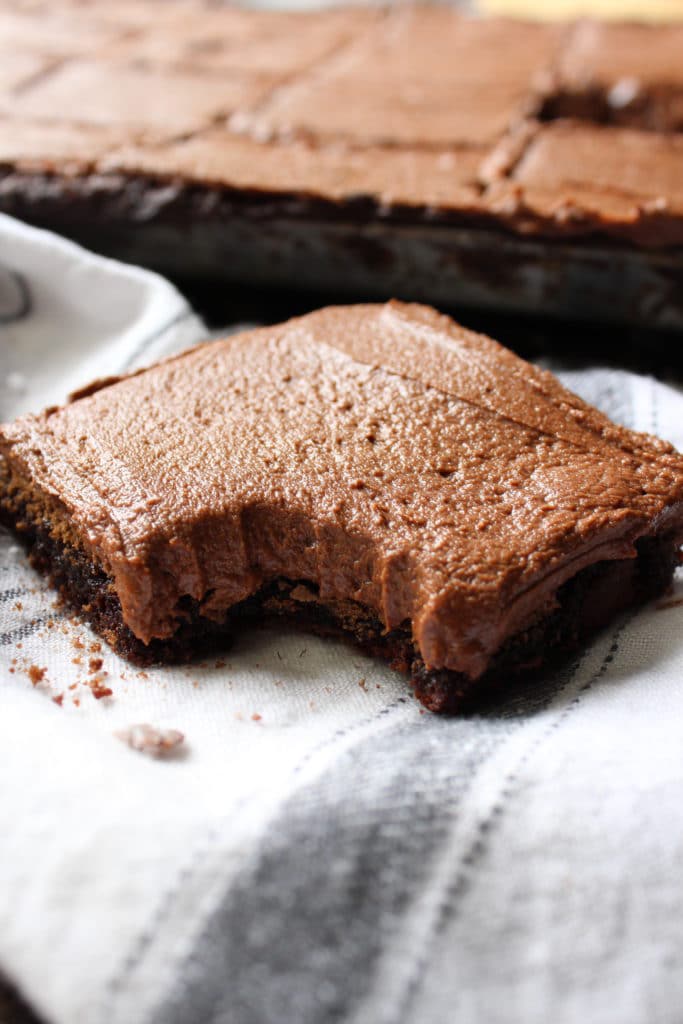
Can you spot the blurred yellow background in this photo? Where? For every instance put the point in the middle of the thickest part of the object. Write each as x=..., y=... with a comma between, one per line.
x=643, y=10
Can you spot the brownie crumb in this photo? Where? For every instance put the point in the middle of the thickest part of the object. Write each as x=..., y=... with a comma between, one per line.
x=149, y=740
x=98, y=688
x=94, y=665
x=99, y=692
x=59, y=699
x=36, y=674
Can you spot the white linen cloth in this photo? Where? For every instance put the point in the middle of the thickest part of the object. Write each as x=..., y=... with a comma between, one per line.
x=319, y=849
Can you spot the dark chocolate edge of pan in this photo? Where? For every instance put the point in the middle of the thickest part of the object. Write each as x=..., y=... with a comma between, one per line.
x=344, y=250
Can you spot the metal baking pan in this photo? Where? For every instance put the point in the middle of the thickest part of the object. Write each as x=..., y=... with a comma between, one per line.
x=364, y=257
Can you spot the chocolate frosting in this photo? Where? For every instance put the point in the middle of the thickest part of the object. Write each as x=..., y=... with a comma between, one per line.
x=606, y=55
x=576, y=178
x=422, y=112
x=422, y=76
x=159, y=99
x=383, y=454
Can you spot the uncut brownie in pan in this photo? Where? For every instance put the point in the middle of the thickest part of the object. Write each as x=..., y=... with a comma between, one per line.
x=367, y=153
x=373, y=471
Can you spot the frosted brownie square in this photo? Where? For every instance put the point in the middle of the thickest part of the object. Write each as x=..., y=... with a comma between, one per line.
x=374, y=471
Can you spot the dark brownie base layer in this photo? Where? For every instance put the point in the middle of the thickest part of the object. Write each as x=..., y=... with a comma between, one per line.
x=118, y=204
x=585, y=604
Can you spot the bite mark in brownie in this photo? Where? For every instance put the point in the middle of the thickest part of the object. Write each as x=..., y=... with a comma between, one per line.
x=585, y=603
x=375, y=472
